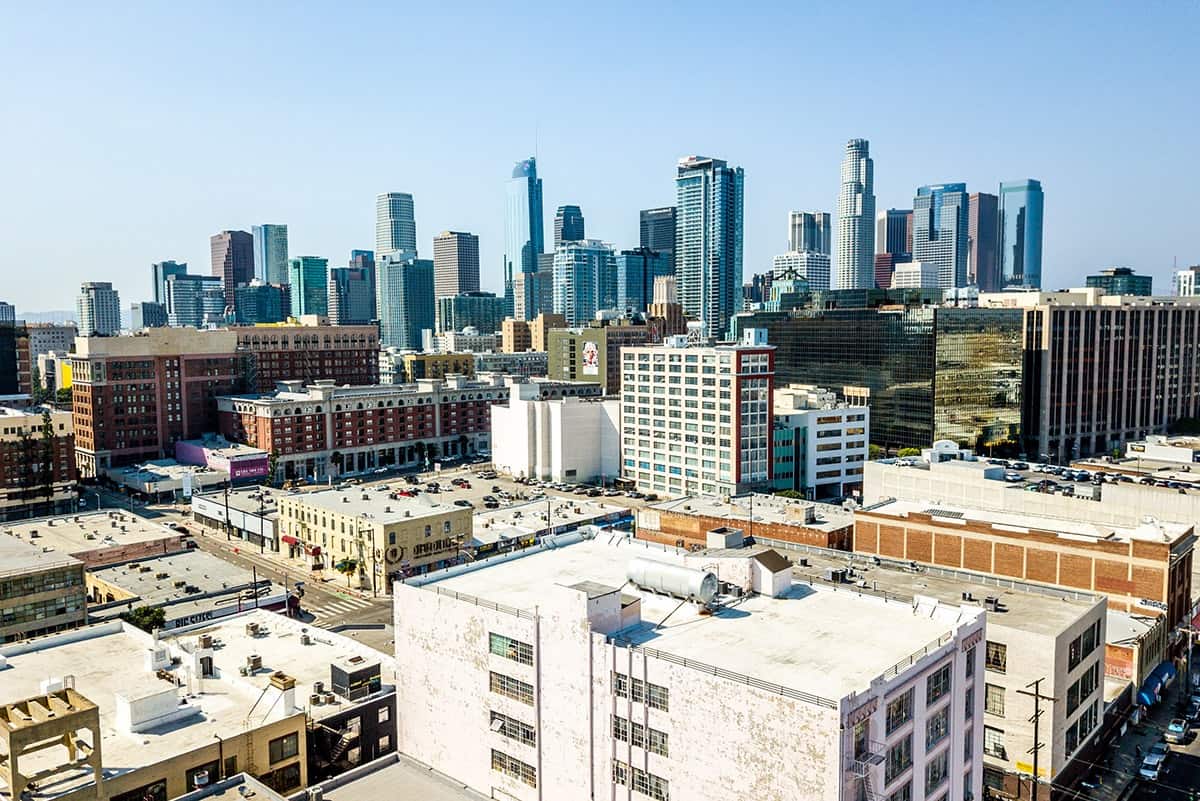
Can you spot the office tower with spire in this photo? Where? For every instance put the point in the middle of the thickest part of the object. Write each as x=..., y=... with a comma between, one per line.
x=940, y=232
x=657, y=227
x=856, y=218
x=270, y=253
x=568, y=225
x=983, y=253
x=524, y=237
x=395, y=224
x=809, y=231
x=232, y=260
x=99, y=309
x=1021, y=234
x=708, y=240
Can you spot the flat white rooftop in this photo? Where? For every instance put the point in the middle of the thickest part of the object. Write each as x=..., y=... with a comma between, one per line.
x=70, y=534
x=17, y=557
x=154, y=580
x=816, y=640
x=378, y=506
x=766, y=509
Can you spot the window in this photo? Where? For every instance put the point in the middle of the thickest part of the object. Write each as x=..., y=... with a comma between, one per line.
x=231, y=766
x=993, y=742
x=283, y=780
x=513, y=729
x=862, y=738
x=937, y=727
x=511, y=688
x=901, y=793
x=997, y=657
x=1083, y=645
x=511, y=649
x=640, y=736
x=936, y=771
x=155, y=791
x=899, y=710
x=282, y=748
x=937, y=685
x=993, y=778
x=1083, y=687
x=645, y=783
x=969, y=659
x=969, y=744
x=969, y=703
x=385, y=743
x=993, y=699
x=899, y=758
x=385, y=713
x=511, y=766
x=641, y=692
x=209, y=771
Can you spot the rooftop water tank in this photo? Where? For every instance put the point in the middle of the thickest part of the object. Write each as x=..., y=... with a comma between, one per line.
x=674, y=580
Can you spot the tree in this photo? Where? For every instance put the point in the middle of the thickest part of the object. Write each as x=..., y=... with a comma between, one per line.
x=790, y=494
x=346, y=567
x=146, y=618
x=62, y=397
x=874, y=452
x=909, y=452
x=46, y=466
x=272, y=468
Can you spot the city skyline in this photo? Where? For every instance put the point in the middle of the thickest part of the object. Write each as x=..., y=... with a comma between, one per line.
x=323, y=186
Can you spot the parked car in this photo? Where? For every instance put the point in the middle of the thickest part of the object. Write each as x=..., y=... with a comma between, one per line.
x=612, y=493
x=650, y=496
x=463, y=502
x=491, y=505
x=1177, y=731
x=635, y=494
x=489, y=499
x=1012, y=477
x=595, y=492
x=1154, y=761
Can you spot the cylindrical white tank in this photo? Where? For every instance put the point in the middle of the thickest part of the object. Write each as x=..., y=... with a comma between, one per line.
x=674, y=580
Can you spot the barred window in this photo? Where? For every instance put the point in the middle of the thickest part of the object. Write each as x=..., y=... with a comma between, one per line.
x=937, y=770
x=512, y=649
x=640, y=736
x=511, y=766
x=513, y=729
x=937, y=727
x=937, y=685
x=996, y=657
x=993, y=699
x=645, y=783
x=511, y=688
x=899, y=710
x=639, y=691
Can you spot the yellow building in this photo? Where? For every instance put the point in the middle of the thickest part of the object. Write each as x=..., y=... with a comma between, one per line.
x=418, y=366
x=376, y=537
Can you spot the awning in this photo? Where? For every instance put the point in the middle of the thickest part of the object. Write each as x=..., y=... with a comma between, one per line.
x=1152, y=686
x=290, y=540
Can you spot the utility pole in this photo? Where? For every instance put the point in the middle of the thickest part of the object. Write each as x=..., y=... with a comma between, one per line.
x=228, y=523
x=1035, y=719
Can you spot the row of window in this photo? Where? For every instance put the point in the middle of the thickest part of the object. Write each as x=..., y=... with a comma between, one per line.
x=511, y=688
x=638, y=691
x=509, y=648
x=640, y=736
x=645, y=783
x=1083, y=645
x=511, y=766
x=513, y=729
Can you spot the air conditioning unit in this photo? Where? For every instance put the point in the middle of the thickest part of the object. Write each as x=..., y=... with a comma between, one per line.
x=254, y=662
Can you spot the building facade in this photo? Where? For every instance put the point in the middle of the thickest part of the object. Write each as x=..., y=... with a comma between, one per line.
x=820, y=443
x=893, y=232
x=592, y=353
x=708, y=240
x=232, y=260
x=813, y=267
x=146, y=314
x=657, y=231
x=983, y=249
x=856, y=218
x=1020, y=219
x=637, y=270
x=351, y=296
x=404, y=300
x=395, y=224
x=308, y=281
x=482, y=311
x=810, y=231
x=99, y=309
x=37, y=462
x=455, y=264
x=568, y=225
x=524, y=237
x=270, y=253
x=195, y=301
x=160, y=271
x=585, y=280
x=536, y=438
x=261, y=303
x=1121, y=281
x=305, y=350
x=940, y=232
x=526, y=364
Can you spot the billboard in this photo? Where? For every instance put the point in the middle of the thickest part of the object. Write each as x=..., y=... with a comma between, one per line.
x=591, y=359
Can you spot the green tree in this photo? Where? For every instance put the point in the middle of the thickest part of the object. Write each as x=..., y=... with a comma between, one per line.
x=146, y=618
x=346, y=567
x=909, y=452
x=874, y=452
x=46, y=465
x=62, y=397
x=790, y=494
x=272, y=468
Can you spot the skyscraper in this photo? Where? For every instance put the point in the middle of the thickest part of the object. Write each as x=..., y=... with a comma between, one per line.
x=160, y=272
x=940, y=232
x=568, y=225
x=309, y=280
x=893, y=232
x=708, y=240
x=194, y=301
x=982, y=253
x=395, y=225
x=856, y=218
x=99, y=309
x=271, y=253
x=232, y=260
x=636, y=272
x=1021, y=234
x=455, y=263
x=523, y=230
x=351, y=296
x=658, y=232
x=585, y=280
x=810, y=265
x=147, y=314
x=261, y=303
x=1121, y=281
x=404, y=299
x=809, y=231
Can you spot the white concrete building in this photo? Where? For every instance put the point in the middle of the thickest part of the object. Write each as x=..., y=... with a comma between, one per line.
x=820, y=442
x=469, y=340
x=914, y=275
x=552, y=675
x=1156, y=447
x=560, y=439
x=811, y=266
x=696, y=420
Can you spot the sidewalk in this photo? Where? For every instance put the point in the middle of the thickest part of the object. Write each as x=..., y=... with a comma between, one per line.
x=1119, y=767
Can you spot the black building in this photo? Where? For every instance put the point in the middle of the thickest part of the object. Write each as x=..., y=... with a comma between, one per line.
x=658, y=231
x=352, y=719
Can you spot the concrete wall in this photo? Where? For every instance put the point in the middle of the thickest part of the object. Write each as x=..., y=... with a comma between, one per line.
x=557, y=440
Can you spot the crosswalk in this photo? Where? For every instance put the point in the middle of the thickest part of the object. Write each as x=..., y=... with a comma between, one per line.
x=343, y=605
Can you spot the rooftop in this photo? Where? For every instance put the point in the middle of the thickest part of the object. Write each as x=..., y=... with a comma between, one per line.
x=252, y=499
x=399, y=778
x=71, y=534
x=1150, y=531
x=19, y=556
x=517, y=522
x=375, y=505
x=223, y=447
x=155, y=580
x=798, y=641
x=767, y=509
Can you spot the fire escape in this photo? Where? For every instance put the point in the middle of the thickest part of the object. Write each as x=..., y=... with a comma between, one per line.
x=867, y=756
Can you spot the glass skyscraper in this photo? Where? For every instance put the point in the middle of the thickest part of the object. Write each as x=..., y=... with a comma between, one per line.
x=1021, y=234
x=271, y=253
x=636, y=271
x=856, y=218
x=940, y=232
x=404, y=299
x=657, y=231
x=395, y=224
x=585, y=280
x=568, y=225
x=309, y=279
x=708, y=240
x=523, y=232
x=809, y=231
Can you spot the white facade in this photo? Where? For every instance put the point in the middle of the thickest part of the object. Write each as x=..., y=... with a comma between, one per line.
x=856, y=218
x=1185, y=450
x=548, y=676
x=811, y=266
x=99, y=308
x=469, y=340
x=565, y=439
x=915, y=275
x=697, y=420
x=821, y=443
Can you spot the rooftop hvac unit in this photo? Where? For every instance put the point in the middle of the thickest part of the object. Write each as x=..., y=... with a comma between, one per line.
x=254, y=662
x=315, y=699
x=206, y=641
x=252, y=629
x=161, y=576
x=835, y=575
x=673, y=580
x=315, y=794
x=318, y=686
x=305, y=639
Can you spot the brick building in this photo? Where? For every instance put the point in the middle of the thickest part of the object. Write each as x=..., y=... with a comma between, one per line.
x=1146, y=569
x=685, y=522
x=307, y=351
x=37, y=467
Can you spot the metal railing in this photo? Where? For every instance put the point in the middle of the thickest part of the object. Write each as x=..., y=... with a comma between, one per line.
x=480, y=602
x=918, y=655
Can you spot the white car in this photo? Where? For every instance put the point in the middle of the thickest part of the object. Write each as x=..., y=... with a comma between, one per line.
x=1154, y=761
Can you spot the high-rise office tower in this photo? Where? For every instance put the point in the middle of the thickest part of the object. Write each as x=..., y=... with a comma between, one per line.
x=99, y=309
x=1021, y=234
x=658, y=232
x=395, y=225
x=365, y=260
x=637, y=271
x=856, y=218
x=810, y=265
x=308, y=277
x=523, y=231
x=232, y=260
x=160, y=272
x=982, y=251
x=1121, y=281
x=708, y=240
x=940, y=232
x=147, y=314
x=893, y=232
x=261, y=303
x=809, y=231
x=270, y=253
x=195, y=301
x=404, y=299
x=585, y=280
x=568, y=225
x=351, y=300
x=455, y=263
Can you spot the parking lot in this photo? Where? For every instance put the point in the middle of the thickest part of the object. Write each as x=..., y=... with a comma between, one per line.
x=1056, y=478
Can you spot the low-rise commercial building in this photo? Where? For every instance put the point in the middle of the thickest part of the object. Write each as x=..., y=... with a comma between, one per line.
x=685, y=522
x=470, y=340
x=240, y=462
x=166, y=479
x=1157, y=447
x=41, y=591
x=820, y=442
x=101, y=538
x=563, y=662
x=37, y=462
x=375, y=537
x=420, y=366
x=528, y=363
x=518, y=336
x=247, y=513
x=565, y=439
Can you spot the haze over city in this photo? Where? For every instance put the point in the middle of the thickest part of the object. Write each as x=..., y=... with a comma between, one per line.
x=136, y=132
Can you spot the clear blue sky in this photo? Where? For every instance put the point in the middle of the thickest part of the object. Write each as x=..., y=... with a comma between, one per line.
x=132, y=132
